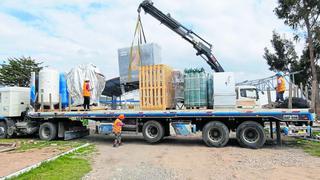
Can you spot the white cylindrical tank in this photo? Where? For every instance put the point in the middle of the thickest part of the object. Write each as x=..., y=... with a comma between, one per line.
x=49, y=84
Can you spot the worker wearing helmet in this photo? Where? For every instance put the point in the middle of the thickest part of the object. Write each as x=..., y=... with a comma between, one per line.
x=281, y=87
x=117, y=129
x=86, y=92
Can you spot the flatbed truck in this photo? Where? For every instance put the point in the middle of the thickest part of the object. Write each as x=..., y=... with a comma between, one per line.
x=215, y=125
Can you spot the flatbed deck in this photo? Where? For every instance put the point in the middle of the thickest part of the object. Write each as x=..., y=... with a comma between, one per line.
x=215, y=124
x=279, y=114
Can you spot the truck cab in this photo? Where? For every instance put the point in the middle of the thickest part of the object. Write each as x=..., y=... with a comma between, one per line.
x=247, y=97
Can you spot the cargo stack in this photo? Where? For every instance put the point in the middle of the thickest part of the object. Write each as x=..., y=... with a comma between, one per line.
x=195, y=88
x=210, y=91
x=130, y=59
x=178, y=86
x=155, y=87
x=224, y=95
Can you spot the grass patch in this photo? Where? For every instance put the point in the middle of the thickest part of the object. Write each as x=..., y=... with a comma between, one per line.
x=71, y=166
x=310, y=147
x=28, y=144
x=316, y=133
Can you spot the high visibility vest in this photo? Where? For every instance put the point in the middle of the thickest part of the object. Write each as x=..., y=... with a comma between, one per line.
x=86, y=90
x=116, y=126
x=281, y=87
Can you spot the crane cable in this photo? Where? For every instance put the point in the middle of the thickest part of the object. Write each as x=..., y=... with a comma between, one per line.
x=139, y=35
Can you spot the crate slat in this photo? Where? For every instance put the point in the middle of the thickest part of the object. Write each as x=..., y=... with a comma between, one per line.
x=156, y=89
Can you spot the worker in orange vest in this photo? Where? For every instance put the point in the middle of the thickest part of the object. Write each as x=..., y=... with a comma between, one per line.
x=117, y=129
x=86, y=92
x=281, y=87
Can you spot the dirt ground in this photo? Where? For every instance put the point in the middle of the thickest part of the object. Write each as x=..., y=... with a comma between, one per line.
x=189, y=158
x=14, y=161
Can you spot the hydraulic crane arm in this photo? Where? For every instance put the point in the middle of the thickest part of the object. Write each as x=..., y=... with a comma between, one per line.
x=202, y=46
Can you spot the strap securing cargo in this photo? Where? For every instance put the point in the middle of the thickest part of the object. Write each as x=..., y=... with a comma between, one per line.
x=140, y=37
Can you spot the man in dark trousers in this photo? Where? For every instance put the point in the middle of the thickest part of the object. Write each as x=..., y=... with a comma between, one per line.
x=281, y=87
x=86, y=92
x=117, y=129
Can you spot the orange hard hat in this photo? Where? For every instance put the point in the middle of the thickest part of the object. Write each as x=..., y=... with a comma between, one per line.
x=121, y=116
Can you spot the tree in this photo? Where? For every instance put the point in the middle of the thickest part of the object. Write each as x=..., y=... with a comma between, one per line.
x=303, y=65
x=284, y=55
x=17, y=71
x=303, y=14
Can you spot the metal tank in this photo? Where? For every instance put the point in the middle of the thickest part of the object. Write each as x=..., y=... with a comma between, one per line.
x=48, y=86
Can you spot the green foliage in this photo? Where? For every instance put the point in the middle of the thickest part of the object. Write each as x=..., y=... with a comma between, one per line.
x=17, y=71
x=315, y=133
x=284, y=55
x=72, y=166
x=304, y=66
x=298, y=13
x=303, y=15
x=85, y=122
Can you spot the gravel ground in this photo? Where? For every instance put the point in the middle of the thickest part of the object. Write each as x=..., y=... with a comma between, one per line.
x=11, y=162
x=189, y=158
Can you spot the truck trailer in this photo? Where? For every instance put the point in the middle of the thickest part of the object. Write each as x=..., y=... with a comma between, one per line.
x=249, y=124
x=214, y=124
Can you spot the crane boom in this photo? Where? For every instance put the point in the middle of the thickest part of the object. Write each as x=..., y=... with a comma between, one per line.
x=202, y=47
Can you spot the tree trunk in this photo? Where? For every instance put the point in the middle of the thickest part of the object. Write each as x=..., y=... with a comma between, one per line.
x=315, y=86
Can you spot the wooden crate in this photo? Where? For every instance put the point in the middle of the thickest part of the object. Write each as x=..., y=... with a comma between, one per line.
x=156, y=88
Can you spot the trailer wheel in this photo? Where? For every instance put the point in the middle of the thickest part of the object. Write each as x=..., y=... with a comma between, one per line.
x=3, y=130
x=215, y=134
x=48, y=131
x=251, y=134
x=153, y=131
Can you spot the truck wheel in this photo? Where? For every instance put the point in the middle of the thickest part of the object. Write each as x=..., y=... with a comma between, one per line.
x=215, y=134
x=48, y=131
x=11, y=128
x=3, y=130
x=153, y=131
x=251, y=134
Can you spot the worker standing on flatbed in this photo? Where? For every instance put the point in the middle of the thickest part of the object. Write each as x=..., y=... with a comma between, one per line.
x=86, y=92
x=281, y=87
x=117, y=128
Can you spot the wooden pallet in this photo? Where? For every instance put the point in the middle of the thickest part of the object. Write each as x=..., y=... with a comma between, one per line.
x=155, y=87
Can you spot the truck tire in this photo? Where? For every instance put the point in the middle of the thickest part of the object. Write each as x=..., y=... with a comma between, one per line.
x=11, y=128
x=251, y=135
x=215, y=134
x=153, y=131
x=48, y=131
x=3, y=130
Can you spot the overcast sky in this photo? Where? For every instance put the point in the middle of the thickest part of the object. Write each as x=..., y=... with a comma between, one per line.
x=65, y=33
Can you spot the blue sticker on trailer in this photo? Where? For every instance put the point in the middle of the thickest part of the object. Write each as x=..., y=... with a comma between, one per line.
x=105, y=128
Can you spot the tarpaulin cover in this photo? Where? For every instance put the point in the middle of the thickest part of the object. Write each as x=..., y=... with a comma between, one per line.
x=76, y=78
x=63, y=90
x=33, y=88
